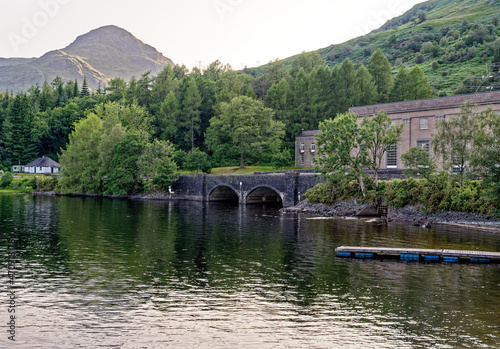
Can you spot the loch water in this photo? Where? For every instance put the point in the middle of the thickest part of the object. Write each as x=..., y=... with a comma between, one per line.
x=104, y=273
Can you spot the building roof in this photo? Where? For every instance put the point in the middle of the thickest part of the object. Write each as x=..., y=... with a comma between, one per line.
x=44, y=162
x=482, y=98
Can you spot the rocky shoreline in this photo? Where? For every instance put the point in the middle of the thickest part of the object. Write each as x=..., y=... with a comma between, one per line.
x=408, y=214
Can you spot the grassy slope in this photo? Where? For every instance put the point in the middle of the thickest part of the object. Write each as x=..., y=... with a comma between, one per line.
x=393, y=37
x=440, y=14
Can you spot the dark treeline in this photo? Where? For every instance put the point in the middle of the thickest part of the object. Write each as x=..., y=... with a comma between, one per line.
x=180, y=105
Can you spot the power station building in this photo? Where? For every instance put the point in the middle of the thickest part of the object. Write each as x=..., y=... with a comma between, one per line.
x=419, y=117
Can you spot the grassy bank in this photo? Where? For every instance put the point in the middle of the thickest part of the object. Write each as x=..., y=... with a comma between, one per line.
x=26, y=183
x=442, y=195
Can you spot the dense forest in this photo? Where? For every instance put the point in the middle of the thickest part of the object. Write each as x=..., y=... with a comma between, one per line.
x=197, y=111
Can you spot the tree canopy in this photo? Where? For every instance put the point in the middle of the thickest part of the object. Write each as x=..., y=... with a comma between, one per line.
x=246, y=125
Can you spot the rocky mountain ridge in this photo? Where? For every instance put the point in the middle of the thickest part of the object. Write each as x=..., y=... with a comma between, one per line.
x=102, y=54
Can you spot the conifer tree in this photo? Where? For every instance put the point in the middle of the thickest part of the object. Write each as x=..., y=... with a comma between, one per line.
x=277, y=98
x=85, y=89
x=17, y=131
x=400, y=88
x=418, y=85
x=75, y=89
x=190, y=113
x=349, y=93
x=161, y=86
x=365, y=86
x=166, y=122
x=250, y=93
x=380, y=68
x=302, y=113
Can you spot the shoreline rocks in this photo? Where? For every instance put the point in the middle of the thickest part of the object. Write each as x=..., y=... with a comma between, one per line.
x=409, y=214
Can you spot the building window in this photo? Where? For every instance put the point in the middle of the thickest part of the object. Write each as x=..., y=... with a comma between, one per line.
x=424, y=123
x=392, y=155
x=424, y=144
x=302, y=159
x=313, y=147
x=302, y=147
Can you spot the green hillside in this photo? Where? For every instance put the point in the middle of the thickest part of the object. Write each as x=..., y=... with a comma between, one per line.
x=451, y=40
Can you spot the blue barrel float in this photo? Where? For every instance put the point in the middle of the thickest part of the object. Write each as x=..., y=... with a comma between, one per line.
x=344, y=254
x=409, y=257
x=364, y=255
x=480, y=260
x=431, y=258
x=450, y=259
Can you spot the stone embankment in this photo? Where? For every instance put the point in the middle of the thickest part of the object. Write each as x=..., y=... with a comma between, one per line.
x=408, y=214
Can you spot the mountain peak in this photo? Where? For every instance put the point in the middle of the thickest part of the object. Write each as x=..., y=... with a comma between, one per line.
x=109, y=35
x=99, y=55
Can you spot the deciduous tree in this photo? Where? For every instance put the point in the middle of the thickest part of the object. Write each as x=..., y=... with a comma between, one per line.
x=247, y=125
x=454, y=138
x=341, y=141
x=377, y=134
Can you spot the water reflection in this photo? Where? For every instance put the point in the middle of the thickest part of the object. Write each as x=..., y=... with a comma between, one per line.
x=157, y=274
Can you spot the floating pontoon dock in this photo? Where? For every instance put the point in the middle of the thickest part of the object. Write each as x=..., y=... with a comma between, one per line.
x=417, y=254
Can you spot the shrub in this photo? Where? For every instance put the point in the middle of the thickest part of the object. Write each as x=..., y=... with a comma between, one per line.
x=322, y=193
x=471, y=52
x=427, y=47
x=6, y=180
x=282, y=159
x=47, y=184
x=419, y=58
x=198, y=161
x=180, y=158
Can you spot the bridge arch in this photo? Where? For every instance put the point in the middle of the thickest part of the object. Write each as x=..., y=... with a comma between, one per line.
x=264, y=194
x=223, y=192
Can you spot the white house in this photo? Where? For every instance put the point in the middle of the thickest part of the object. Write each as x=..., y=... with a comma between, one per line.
x=42, y=165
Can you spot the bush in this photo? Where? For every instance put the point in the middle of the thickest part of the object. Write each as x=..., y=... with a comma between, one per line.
x=283, y=159
x=419, y=58
x=180, y=158
x=471, y=52
x=168, y=174
x=6, y=180
x=198, y=161
x=47, y=184
x=24, y=185
x=322, y=193
x=427, y=48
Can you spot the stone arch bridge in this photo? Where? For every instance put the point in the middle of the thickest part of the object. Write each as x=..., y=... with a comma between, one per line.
x=280, y=188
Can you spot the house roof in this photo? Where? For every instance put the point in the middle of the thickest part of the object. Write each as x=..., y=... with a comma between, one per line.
x=43, y=162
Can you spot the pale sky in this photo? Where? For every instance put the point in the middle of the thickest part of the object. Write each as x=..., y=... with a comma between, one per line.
x=196, y=32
